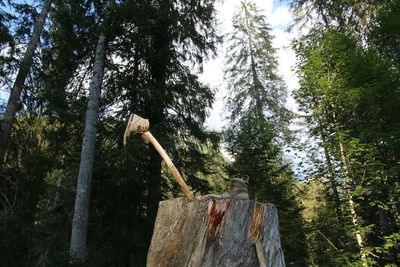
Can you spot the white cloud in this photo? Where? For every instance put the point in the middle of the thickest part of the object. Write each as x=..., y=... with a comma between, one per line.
x=281, y=16
x=213, y=77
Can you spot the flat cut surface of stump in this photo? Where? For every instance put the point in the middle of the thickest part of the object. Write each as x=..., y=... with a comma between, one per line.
x=215, y=233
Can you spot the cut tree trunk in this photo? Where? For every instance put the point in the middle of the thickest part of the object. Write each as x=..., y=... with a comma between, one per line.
x=215, y=233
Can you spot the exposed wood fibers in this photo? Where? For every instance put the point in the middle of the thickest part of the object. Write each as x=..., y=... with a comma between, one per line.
x=216, y=213
x=257, y=221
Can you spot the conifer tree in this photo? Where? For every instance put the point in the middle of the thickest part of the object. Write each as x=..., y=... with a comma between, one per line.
x=6, y=42
x=15, y=94
x=159, y=85
x=84, y=184
x=252, y=66
x=258, y=123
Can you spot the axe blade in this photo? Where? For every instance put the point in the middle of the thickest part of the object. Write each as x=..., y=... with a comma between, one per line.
x=136, y=124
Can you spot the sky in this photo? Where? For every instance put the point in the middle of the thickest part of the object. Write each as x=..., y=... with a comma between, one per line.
x=279, y=17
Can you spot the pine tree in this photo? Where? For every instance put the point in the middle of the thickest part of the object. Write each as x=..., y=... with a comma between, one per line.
x=258, y=123
x=15, y=94
x=251, y=75
x=6, y=43
x=159, y=85
x=352, y=16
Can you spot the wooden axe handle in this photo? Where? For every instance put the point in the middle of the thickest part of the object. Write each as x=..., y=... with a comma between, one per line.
x=147, y=135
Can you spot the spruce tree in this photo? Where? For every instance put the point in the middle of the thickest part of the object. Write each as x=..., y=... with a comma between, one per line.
x=258, y=124
x=251, y=72
x=159, y=85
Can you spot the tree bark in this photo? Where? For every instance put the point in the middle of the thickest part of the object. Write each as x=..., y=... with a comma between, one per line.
x=354, y=216
x=156, y=105
x=83, y=189
x=15, y=94
x=215, y=233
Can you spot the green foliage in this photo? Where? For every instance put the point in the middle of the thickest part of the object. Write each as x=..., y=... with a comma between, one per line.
x=251, y=138
x=349, y=93
x=251, y=71
x=326, y=236
x=7, y=59
x=384, y=35
x=258, y=123
x=353, y=16
x=147, y=72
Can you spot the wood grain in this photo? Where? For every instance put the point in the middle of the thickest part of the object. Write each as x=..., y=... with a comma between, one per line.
x=215, y=233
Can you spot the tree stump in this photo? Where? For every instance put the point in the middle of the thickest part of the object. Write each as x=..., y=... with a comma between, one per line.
x=215, y=233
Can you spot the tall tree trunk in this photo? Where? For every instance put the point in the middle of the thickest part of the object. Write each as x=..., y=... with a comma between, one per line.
x=156, y=118
x=158, y=68
x=15, y=95
x=81, y=211
x=354, y=216
x=350, y=176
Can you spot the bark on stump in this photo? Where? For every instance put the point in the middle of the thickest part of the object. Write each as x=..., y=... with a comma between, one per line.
x=215, y=233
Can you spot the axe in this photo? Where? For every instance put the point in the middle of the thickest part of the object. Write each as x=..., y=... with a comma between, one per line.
x=138, y=125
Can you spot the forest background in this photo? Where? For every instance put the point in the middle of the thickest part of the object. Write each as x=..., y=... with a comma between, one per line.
x=73, y=70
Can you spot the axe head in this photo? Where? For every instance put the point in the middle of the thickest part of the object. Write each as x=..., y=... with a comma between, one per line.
x=136, y=125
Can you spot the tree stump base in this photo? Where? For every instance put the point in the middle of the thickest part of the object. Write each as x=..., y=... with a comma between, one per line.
x=215, y=233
